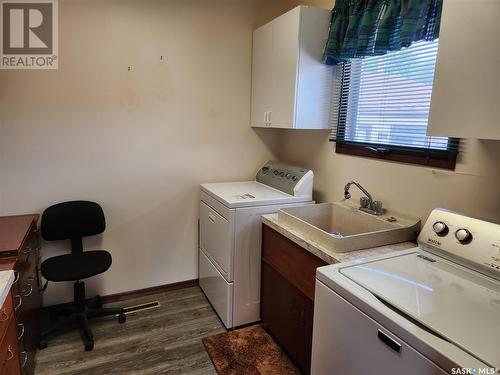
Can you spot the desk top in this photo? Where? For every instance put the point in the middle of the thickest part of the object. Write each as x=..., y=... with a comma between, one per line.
x=13, y=231
x=6, y=280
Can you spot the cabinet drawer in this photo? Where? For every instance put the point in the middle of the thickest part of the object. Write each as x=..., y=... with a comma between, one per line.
x=288, y=315
x=294, y=263
x=216, y=238
x=6, y=312
x=9, y=352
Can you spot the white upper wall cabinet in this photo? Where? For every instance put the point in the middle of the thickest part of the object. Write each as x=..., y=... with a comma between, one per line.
x=291, y=87
x=466, y=93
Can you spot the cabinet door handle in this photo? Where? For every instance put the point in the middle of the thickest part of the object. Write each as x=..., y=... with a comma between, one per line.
x=25, y=359
x=11, y=353
x=269, y=116
x=27, y=294
x=20, y=302
x=22, y=331
x=17, y=275
x=5, y=316
x=390, y=342
x=27, y=250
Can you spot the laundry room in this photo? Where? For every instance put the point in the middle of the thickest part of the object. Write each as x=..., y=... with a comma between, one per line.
x=249, y=187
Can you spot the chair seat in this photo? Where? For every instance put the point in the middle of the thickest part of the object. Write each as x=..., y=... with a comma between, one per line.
x=73, y=267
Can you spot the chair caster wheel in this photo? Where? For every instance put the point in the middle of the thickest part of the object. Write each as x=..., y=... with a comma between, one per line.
x=42, y=345
x=89, y=346
x=122, y=318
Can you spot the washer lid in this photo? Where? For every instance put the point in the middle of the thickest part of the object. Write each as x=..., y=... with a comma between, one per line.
x=459, y=304
x=248, y=194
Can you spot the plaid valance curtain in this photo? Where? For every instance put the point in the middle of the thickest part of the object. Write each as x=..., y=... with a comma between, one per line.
x=361, y=28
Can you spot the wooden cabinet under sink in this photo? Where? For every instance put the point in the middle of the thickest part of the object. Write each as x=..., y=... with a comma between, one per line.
x=287, y=296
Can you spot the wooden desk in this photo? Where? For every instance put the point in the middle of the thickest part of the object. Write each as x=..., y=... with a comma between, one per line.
x=20, y=251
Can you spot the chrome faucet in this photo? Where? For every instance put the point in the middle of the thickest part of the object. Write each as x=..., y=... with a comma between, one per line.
x=367, y=204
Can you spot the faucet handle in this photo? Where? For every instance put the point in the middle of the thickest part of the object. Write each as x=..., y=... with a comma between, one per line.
x=364, y=202
x=377, y=207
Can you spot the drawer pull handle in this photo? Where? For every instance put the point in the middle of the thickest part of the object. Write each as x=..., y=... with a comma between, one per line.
x=27, y=250
x=25, y=359
x=4, y=317
x=17, y=275
x=391, y=343
x=20, y=302
x=211, y=218
x=27, y=294
x=22, y=331
x=11, y=353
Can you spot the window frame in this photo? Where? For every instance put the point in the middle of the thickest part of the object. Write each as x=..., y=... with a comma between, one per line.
x=427, y=157
x=445, y=159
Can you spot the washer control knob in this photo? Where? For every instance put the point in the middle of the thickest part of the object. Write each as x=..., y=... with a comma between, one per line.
x=294, y=178
x=440, y=228
x=463, y=235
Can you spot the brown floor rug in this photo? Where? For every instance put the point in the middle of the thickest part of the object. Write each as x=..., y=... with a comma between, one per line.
x=247, y=351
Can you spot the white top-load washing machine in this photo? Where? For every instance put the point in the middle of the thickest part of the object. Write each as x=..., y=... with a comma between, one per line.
x=434, y=309
x=230, y=236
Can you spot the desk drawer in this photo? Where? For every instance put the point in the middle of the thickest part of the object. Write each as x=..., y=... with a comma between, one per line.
x=9, y=352
x=6, y=313
x=295, y=264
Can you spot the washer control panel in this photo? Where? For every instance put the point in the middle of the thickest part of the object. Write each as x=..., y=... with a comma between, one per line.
x=474, y=243
x=287, y=178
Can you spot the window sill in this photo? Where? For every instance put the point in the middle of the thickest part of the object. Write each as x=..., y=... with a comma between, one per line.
x=428, y=158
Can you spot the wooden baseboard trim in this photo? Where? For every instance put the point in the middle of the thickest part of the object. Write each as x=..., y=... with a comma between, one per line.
x=147, y=291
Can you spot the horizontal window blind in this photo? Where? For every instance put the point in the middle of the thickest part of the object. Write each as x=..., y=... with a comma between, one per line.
x=385, y=100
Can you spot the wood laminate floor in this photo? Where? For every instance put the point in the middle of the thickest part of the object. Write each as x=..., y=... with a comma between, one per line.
x=165, y=340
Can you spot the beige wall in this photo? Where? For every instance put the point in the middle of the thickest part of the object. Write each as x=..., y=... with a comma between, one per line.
x=138, y=141
x=266, y=10
x=473, y=188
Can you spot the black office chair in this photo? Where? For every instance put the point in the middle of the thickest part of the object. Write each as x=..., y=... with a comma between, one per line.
x=74, y=220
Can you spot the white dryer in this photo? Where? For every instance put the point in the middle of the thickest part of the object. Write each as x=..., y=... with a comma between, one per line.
x=230, y=236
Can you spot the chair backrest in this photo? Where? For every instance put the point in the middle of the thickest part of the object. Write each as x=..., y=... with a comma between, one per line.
x=72, y=220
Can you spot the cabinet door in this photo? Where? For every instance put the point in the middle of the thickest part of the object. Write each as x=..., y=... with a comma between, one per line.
x=288, y=315
x=285, y=58
x=261, y=74
x=315, y=79
x=9, y=351
x=466, y=89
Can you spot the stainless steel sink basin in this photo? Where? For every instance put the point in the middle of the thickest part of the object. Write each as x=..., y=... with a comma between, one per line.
x=341, y=227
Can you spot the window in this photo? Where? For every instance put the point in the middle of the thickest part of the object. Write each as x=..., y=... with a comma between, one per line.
x=383, y=108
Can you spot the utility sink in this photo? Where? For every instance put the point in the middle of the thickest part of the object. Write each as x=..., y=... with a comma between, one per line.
x=341, y=227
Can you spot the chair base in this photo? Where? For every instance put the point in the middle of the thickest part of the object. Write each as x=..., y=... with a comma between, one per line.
x=64, y=319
